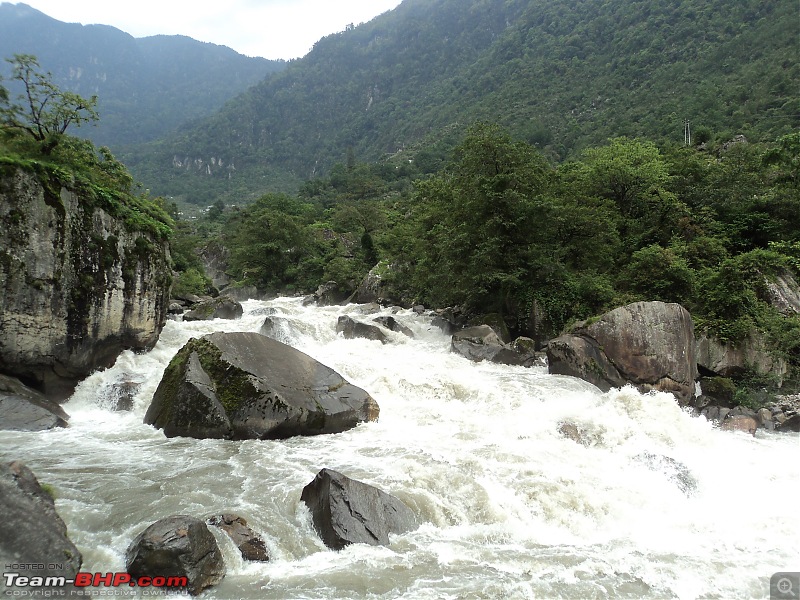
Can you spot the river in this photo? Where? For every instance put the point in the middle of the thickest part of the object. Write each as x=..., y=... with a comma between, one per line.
x=509, y=507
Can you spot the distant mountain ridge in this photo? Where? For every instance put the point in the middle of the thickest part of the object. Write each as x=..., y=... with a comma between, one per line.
x=146, y=87
x=562, y=74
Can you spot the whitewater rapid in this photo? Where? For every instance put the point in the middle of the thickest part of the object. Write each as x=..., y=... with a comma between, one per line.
x=510, y=508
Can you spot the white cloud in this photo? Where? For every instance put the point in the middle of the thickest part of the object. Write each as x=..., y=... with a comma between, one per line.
x=269, y=28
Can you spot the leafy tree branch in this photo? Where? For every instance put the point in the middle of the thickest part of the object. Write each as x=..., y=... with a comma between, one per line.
x=43, y=111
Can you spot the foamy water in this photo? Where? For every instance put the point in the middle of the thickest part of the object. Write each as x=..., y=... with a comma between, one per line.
x=509, y=507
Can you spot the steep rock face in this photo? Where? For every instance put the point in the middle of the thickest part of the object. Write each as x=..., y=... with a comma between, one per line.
x=648, y=344
x=76, y=285
x=249, y=386
x=784, y=294
x=735, y=360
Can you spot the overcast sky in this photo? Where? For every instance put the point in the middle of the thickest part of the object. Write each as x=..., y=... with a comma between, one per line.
x=269, y=28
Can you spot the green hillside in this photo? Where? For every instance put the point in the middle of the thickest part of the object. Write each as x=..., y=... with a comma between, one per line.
x=146, y=87
x=560, y=74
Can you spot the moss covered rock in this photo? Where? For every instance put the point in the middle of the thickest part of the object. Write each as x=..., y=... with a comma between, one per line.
x=249, y=386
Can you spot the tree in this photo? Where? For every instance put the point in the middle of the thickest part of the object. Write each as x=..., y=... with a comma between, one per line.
x=479, y=215
x=43, y=110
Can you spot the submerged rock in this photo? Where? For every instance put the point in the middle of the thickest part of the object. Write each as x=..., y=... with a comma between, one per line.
x=222, y=307
x=249, y=543
x=393, y=324
x=31, y=531
x=177, y=546
x=674, y=470
x=249, y=386
x=345, y=511
x=350, y=329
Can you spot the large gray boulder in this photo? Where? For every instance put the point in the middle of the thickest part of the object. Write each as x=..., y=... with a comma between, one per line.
x=345, y=511
x=24, y=409
x=734, y=360
x=177, y=546
x=31, y=532
x=647, y=344
x=249, y=386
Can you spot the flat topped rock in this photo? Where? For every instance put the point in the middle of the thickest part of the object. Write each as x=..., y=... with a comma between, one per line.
x=249, y=386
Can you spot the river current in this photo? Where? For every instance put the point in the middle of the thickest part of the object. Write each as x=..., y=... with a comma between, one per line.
x=510, y=508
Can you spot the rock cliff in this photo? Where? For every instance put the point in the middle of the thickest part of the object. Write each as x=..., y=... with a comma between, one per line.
x=77, y=284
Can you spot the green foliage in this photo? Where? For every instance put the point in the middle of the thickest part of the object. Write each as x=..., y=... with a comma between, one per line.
x=560, y=75
x=191, y=281
x=656, y=273
x=270, y=243
x=43, y=110
x=140, y=94
x=60, y=160
x=501, y=231
x=478, y=215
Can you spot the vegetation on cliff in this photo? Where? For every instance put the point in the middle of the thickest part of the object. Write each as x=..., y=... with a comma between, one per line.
x=33, y=136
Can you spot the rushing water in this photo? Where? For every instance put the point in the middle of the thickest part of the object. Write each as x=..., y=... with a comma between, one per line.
x=509, y=507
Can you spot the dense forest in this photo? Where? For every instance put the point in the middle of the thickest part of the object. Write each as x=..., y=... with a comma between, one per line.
x=501, y=230
x=562, y=75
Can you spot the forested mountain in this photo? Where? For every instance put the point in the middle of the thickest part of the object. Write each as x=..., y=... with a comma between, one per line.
x=561, y=74
x=145, y=86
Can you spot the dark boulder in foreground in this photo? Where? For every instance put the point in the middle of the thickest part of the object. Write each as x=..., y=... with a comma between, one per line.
x=249, y=543
x=345, y=511
x=249, y=386
x=177, y=546
x=31, y=532
x=24, y=409
x=650, y=345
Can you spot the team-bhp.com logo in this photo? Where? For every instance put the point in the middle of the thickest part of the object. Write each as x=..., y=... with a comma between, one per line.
x=50, y=586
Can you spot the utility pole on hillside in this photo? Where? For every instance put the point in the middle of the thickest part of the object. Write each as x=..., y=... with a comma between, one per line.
x=687, y=133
